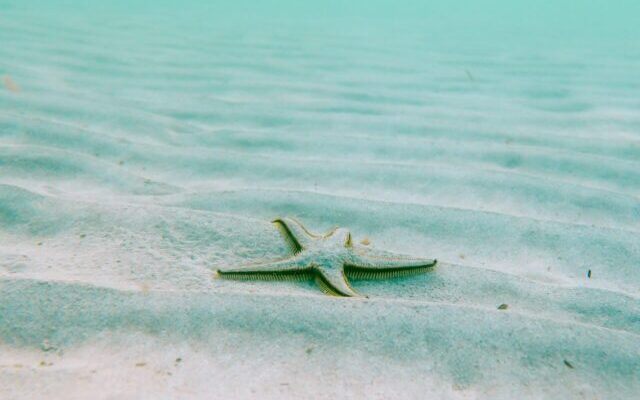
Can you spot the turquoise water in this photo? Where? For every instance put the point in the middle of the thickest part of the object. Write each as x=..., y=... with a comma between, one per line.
x=145, y=144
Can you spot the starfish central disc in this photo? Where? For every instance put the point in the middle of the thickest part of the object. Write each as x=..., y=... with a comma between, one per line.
x=328, y=258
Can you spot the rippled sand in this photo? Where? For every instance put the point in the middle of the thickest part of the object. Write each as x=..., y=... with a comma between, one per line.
x=141, y=149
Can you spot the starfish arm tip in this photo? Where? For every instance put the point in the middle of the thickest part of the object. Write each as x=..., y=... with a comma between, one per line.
x=296, y=235
x=334, y=282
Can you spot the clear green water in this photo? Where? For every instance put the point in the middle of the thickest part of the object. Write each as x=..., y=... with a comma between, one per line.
x=143, y=144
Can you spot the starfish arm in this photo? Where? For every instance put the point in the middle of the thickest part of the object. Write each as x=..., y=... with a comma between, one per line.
x=334, y=282
x=296, y=235
x=367, y=267
x=277, y=270
x=340, y=236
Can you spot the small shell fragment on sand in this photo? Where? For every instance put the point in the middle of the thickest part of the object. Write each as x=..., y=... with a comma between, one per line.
x=10, y=84
x=365, y=242
x=469, y=75
x=46, y=345
x=144, y=287
x=503, y=306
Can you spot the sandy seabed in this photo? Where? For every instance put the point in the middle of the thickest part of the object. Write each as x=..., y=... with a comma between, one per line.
x=140, y=151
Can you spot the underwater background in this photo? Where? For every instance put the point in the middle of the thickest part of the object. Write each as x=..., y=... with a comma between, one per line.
x=144, y=144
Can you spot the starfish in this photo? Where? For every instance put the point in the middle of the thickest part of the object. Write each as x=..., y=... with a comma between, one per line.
x=328, y=258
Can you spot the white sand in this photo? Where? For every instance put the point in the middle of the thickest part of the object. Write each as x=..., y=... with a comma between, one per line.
x=148, y=146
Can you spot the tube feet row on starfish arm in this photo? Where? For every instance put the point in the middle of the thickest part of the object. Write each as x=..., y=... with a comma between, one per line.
x=368, y=267
x=288, y=269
